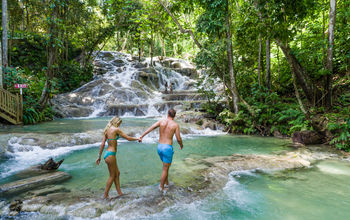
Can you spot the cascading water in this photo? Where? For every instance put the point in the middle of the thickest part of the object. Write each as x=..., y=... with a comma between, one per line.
x=125, y=87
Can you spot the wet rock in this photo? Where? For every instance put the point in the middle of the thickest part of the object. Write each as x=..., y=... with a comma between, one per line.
x=106, y=89
x=117, y=84
x=51, y=164
x=72, y=111
x=176, y=65
x=209, y=124
x=118, y=63
x=106, y=55
x=48, y=190
x=138, y=110
x=101, y=67
x=33, y=182
x=140, y=65
x=188, y=72
x=52, y=210
x=307, y=137
x=278, y=134
x=89, y=211
x=16, y=206
x=149, y=70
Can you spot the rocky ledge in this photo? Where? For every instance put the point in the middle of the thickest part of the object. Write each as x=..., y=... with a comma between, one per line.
x=32, y=183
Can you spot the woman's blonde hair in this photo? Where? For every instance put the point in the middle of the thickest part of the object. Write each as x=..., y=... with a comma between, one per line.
x=115, y=121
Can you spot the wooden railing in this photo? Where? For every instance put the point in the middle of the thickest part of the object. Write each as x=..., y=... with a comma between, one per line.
x=11, y=107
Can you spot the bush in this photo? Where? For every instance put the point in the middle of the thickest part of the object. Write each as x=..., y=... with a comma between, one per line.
x=71, y=75
x=271, y=114
x=341, y=132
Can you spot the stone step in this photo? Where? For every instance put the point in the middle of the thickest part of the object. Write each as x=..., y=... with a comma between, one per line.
x=183, y=96
x=139, y=110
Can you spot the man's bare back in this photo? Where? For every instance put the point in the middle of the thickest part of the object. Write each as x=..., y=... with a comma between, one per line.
x=167, y=129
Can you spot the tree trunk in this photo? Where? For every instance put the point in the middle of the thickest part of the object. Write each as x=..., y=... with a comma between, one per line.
x=4, y=33
x=52, y=55
x=151, y=49
x=27, y=17
x=259, y=60
x=302, y=108
x=278, y=64
x=268, y=65
x=1, y=74
x=126, y=40
x=235, y=98
x=297, y=70
x=328, y=86
x=163, y=48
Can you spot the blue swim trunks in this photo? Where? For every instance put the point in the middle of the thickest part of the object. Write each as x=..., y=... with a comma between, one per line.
x=165, y=152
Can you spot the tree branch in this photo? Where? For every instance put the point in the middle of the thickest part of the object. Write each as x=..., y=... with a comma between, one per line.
x=184, y=31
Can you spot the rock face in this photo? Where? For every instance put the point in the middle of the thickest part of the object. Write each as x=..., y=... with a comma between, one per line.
x=123, y=85
x=32, y=183
x=307, y=137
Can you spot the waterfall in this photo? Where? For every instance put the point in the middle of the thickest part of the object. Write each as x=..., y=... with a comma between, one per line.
x=125, y=87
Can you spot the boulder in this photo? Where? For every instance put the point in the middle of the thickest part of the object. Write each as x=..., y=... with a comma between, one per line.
x=307, y=137
x=176, y=65
x=209, y=124
x=106, y=55
x=118, y=63
x=140, y=65
x=149, y=70
x=33, y=182
x=190, y=72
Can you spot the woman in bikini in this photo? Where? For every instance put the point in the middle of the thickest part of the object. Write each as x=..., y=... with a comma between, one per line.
x=111, y=135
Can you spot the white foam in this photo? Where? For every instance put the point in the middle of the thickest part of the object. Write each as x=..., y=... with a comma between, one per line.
x=24, y=156
x=327, y=168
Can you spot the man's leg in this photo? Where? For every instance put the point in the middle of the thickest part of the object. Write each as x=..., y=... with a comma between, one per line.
x=164, y=177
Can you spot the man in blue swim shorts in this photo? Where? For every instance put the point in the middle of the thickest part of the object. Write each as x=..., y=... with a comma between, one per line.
x=167, y=128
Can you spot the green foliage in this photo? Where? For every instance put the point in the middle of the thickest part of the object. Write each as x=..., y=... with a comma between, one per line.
x=214, y=105
x=271, y=114
x=240, y=123
x=31, y=95
x=31, y=115
x=13, y=76
x=341, y=132
x=71, y=76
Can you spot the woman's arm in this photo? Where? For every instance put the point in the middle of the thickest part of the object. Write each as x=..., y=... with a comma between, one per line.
x=101, y=150
x=127, y=137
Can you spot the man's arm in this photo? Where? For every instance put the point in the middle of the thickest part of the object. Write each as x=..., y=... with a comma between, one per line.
x=155, y=125
x=178, y=136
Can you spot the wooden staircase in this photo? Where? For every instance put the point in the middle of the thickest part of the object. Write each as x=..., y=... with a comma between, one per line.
x=11, y=107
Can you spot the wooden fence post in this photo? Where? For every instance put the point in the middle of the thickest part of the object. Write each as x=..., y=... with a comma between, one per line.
x=18, y=107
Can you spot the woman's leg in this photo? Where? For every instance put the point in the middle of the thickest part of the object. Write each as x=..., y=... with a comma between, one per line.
x=116, y=179
x=111, y=162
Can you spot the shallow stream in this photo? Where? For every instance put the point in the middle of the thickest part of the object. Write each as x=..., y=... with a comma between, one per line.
x=320, y=191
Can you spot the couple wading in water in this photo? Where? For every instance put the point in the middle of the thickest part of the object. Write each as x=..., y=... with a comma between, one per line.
x=167, y=129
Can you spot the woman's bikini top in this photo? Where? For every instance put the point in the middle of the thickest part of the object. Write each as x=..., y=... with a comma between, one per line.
x=113, y=139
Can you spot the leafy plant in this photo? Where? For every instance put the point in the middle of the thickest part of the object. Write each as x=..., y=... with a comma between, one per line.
x=341, y=138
